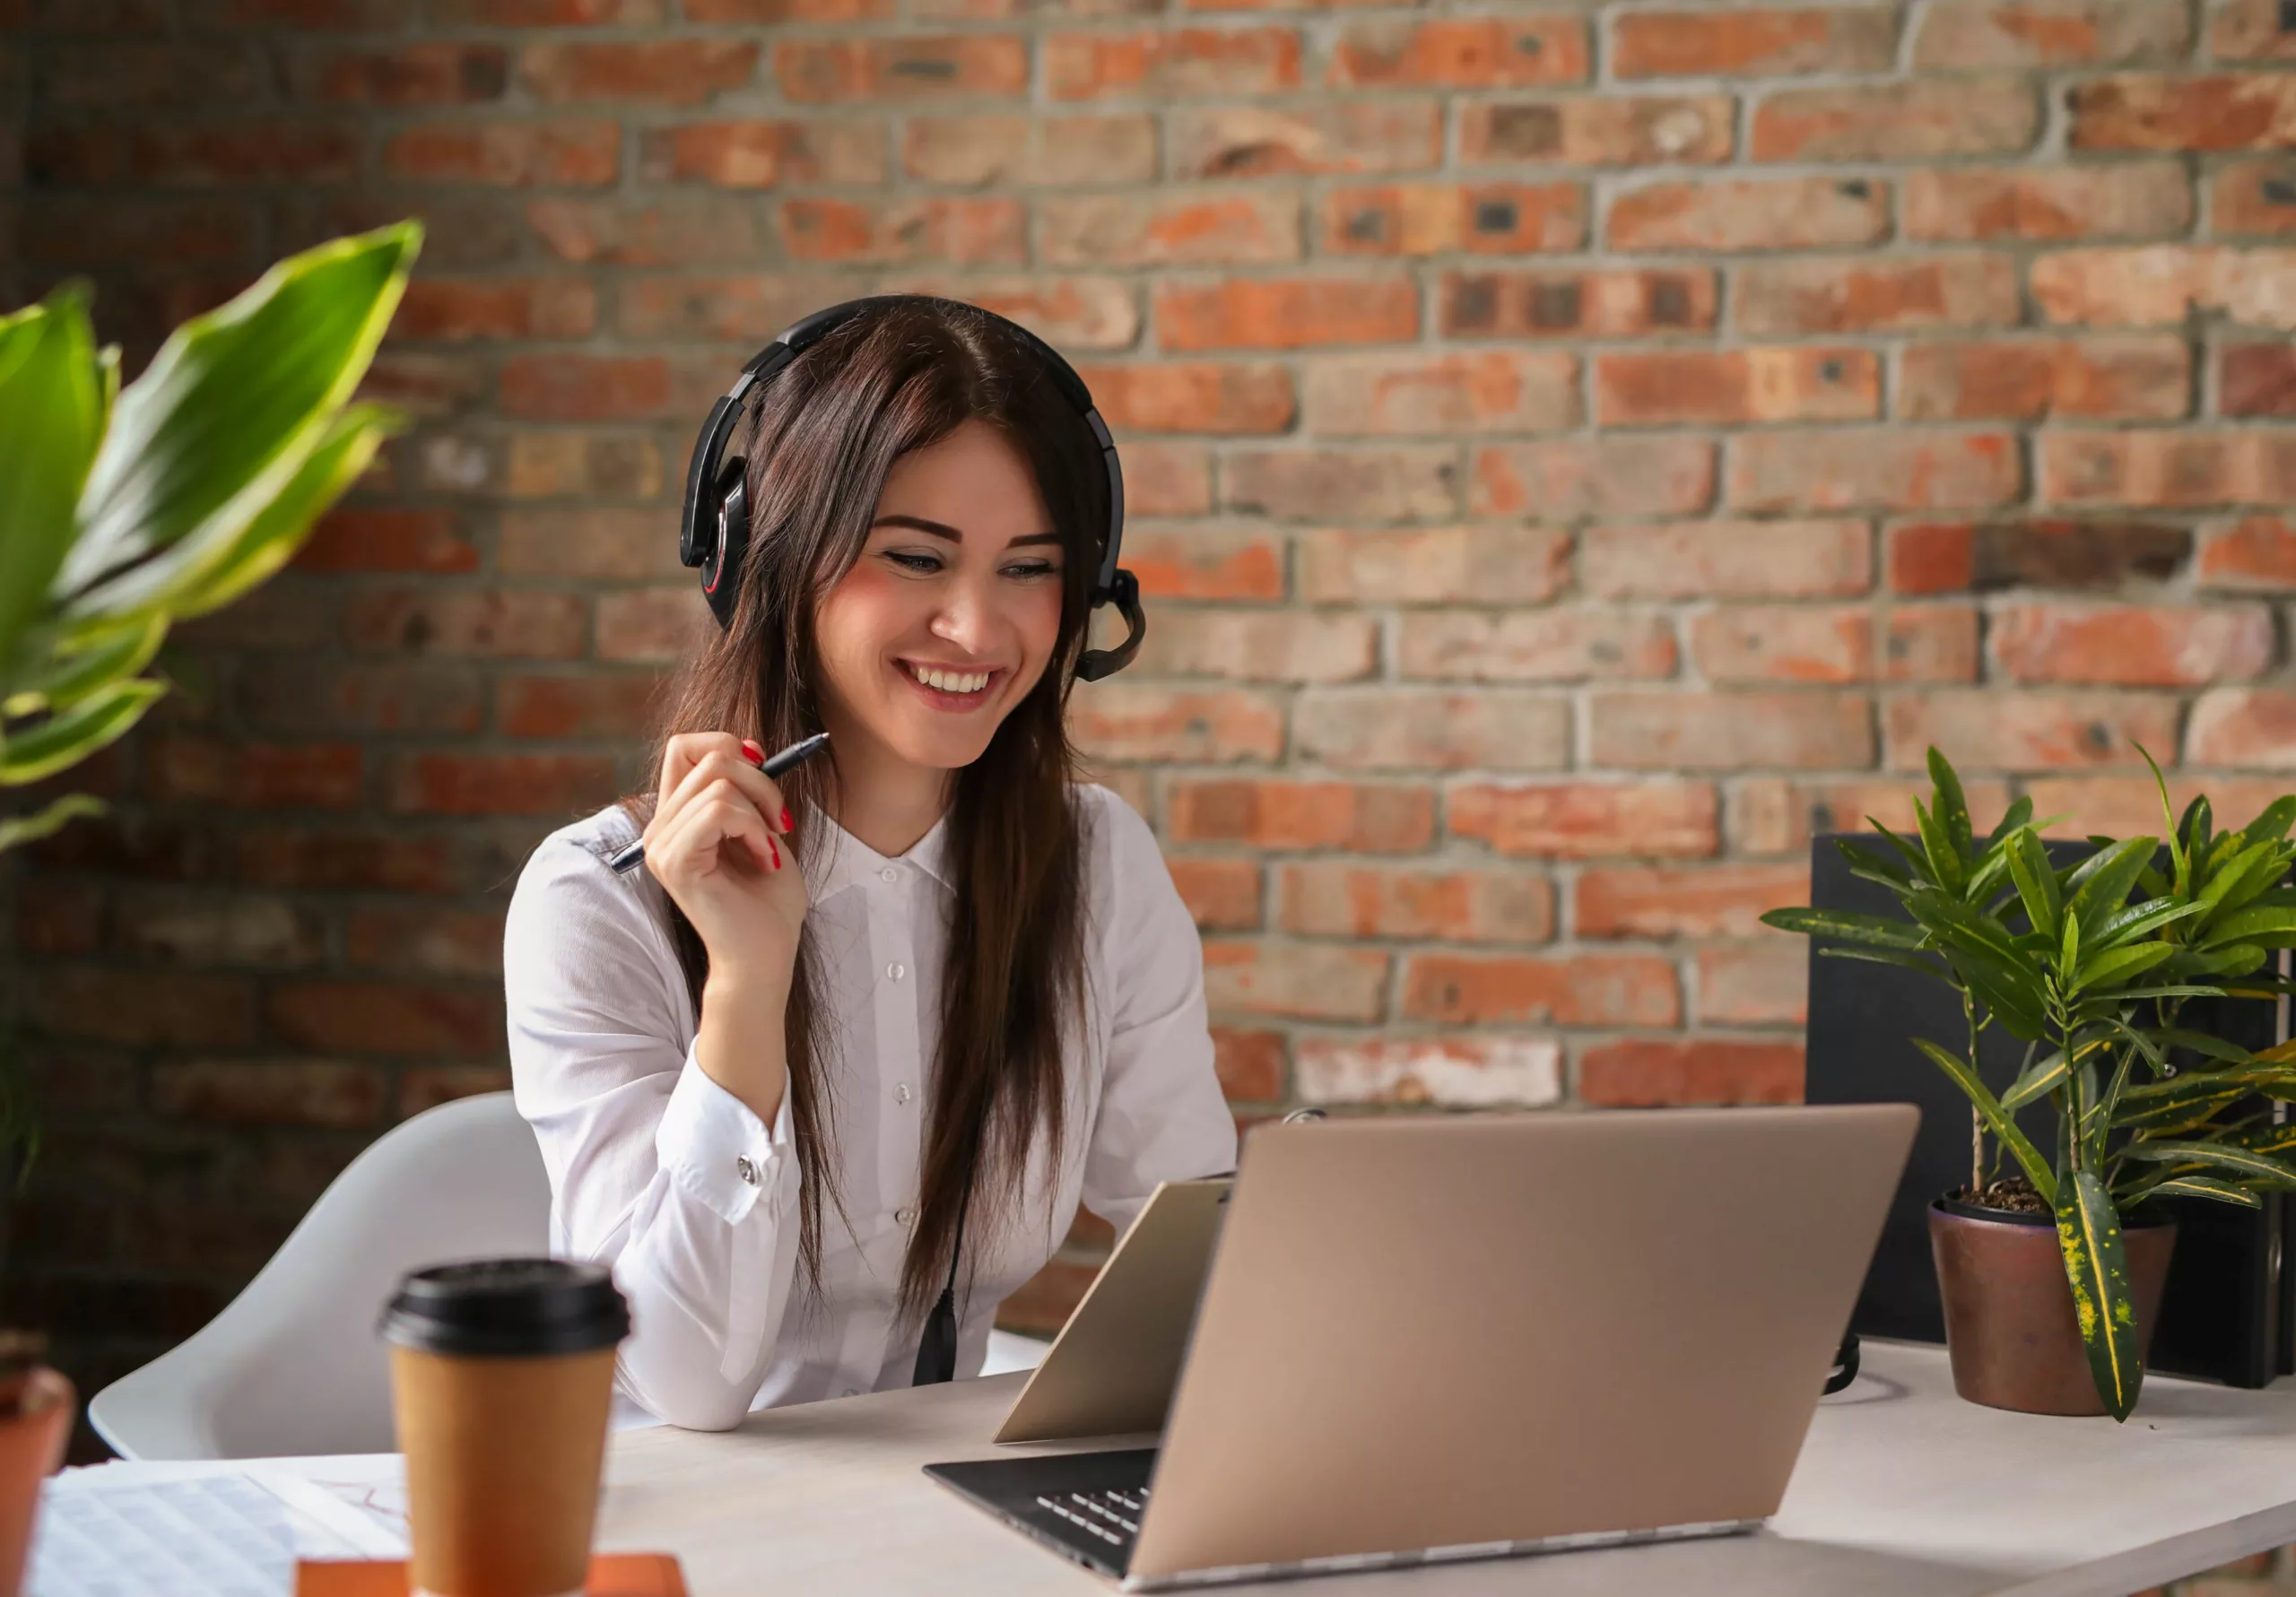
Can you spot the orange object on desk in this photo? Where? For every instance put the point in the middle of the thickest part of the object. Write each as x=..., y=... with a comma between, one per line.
x=612, y=1575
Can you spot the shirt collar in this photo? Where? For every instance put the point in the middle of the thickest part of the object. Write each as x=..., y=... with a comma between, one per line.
x=852, y=861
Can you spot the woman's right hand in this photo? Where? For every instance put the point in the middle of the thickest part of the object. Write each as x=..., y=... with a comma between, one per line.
x=717, y=845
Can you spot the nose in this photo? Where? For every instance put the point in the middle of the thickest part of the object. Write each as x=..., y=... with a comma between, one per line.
x=967, y=617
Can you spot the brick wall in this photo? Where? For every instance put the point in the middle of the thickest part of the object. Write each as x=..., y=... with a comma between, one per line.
x=1575, y=452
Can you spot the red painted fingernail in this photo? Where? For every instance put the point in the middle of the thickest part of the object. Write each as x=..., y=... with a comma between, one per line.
x=755, y=755
x=785, y=822
x=769, y=843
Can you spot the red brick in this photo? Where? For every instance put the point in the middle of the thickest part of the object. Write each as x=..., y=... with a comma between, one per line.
x=755, y=153
x=330, y=15
x=1962, y=34
x=1473, y=393
x=1461, y=53
x=1205, y=563
x=1193, y=399
x=1419, y=219
x=980, y=152
x=1684, y=900
x=1694, y=731
x=1558, y=990
x=1357, y=817
x=1250, y=1063
x=2013, y=730
x=1728, y=560
x=268, y=1093
x=2170, y=469
x=466, y=622
x=2138, y=377
x=2165, y=283
x=2253, y=197
x=1750, y=41
x=2249, y=30
x=1070, y=313
x=503, y=308
x=1402, y=482
x=973, y=232
x=1417, y=729
x=660, y=625
x=183, y=767
x=1283, y=646
x=1339, y=898
x=1772, y=816
x=1261, y=141
x=1522, y=645
x=432, y=72
x=1602, y=304
x=1479, y=565
x=1589, y=819
x=1221, y=894
x=664, y=72
x=431, y=940
x=200, y=154
x=1465, y=1073
x=1646, y=1072
x=564, y=706
x=499, y=784
x=1607, y=476
x=1181, y=64
x=509, y=153
x=1139, y=721
x=2252, y=727
x=1898, y=468
x=388, y=696
x=2256, y=554
x=143, y=1008
x=426, y=1086
x=351, y=538
x=1282, y=314
x=385, y=1018
x=744, y=308
x=58, y=917
x=1610, y=130
x=2193, y=112
x=768, y=12
x=2132, y=645
x=1751, y=214
x=361, y=858
x=1960, y=557
x=1912, y=121
x=546, y=14
x=1783, y=644
x=1859, y=295
x=1722, y=388
x=1756, y=984
x=1305, y=980
x=82, y=232
x=2256, y=379
x=2129, y=806
x=1163, y=479
x=2143, y=199
x=813, y=72
x=1168, y=228
x=1935, y=643
x=426, y=384
x=593, y=465
x=566, y=388
x=208, y=928
x=597, y=542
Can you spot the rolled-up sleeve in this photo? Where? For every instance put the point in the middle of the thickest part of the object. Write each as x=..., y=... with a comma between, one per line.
x=1161, y=1116
x=653, y=1167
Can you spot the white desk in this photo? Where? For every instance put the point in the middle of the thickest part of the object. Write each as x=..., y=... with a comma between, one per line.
x=1903, y=1491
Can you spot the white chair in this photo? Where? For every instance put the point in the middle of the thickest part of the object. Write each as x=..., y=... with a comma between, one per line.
x=292, y=1366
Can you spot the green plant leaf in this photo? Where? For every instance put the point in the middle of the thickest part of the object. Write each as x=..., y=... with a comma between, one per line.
x=2037, y=1080
x=17, y=830
x=2273, y=824
x=2028, y=867
x=2017, y=814
x=1926, y=962
x=70, y=736
x=2116, y=966
x=51, y=418
x=1916, y=861
x=278, y=530
x=2252, y=924
x=1997, y=1120
x=222, y=419
x=2204, y=1045
x=1848, y=926
x=1864, y=862
x=2179, y=881
x=2252, y=873
x=2104, y=893
x=2104, y=1304
x=2128, y=925
x=76, y=671
x=2196, y=828
x=2202, y=1186
x=1950, y=805
x=1947, y=869
x=2242, y=1164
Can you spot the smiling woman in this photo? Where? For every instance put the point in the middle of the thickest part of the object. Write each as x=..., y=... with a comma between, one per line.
x=927, y=980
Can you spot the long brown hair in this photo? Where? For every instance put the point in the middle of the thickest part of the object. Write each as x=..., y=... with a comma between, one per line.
x=818, y=441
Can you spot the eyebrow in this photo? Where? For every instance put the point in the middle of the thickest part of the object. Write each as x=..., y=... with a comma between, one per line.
x=940, y=529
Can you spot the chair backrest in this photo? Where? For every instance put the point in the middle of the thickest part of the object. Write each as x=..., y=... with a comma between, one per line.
x=292, y=1366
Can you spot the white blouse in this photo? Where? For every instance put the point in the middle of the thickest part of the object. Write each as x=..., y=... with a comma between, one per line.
x=658, y=1170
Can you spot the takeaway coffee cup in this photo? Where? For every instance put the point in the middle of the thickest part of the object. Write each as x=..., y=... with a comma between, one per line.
x=501, y=1375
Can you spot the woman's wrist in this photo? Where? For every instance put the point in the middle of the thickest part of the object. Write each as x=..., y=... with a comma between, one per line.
x=740, y=1043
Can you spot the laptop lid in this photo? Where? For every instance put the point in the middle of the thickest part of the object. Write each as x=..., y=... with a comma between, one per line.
x=1443, y=1332
x=1112, y=1368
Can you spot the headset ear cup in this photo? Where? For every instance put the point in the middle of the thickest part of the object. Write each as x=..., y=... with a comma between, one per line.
x=721, y=572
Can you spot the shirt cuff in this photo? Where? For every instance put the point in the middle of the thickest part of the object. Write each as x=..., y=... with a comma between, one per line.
x=718, y=1150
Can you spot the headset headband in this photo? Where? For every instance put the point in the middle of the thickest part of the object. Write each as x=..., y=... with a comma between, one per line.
x=713, y=531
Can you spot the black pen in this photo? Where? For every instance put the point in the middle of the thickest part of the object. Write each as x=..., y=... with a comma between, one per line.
x=789, y=758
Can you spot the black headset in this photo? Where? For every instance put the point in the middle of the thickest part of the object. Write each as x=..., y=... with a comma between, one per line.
x=714, y=531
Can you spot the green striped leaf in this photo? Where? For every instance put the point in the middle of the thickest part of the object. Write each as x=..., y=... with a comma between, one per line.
x=2029, y=868
x=2242, y=1164
x=1997, y=1121
x=2204, y=1186
x=1947, y=869
x=2274, y=823
x=1950, y=805
x=2104, y=1303
x=2117, y=966
x=2105, y=892
x=1847, y=925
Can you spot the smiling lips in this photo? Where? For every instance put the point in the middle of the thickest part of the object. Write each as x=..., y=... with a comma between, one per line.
x=949, y=684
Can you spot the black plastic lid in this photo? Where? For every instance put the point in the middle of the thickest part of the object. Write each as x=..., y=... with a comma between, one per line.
x=513, y=1307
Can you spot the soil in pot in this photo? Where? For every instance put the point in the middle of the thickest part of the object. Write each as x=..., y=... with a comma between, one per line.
x=2010, y=1329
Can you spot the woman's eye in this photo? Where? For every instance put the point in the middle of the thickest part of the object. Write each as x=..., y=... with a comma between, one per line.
x=1033, y=569
x=914, y=562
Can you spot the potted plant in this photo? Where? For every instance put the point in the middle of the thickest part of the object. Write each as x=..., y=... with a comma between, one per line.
x=2051, y=1276
x=123, y=510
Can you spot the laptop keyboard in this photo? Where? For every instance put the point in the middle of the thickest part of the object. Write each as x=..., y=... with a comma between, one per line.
x=1112, y=1517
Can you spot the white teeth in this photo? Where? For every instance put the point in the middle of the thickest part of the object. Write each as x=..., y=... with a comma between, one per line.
x=951, y=682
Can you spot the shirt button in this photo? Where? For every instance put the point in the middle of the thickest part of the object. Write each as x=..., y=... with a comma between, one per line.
x=901, y=1093
x=904, y=1215
x=745, y=1167
x=890, y=874
x=896, y=970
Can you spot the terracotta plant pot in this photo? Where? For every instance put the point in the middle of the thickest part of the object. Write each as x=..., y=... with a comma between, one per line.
x=36, y=1412
x=2009, y=1325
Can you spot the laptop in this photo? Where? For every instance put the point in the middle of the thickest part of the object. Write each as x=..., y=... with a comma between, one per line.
x=1426, y=1339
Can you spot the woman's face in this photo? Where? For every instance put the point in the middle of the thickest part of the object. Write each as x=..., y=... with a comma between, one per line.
x=950, y=616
